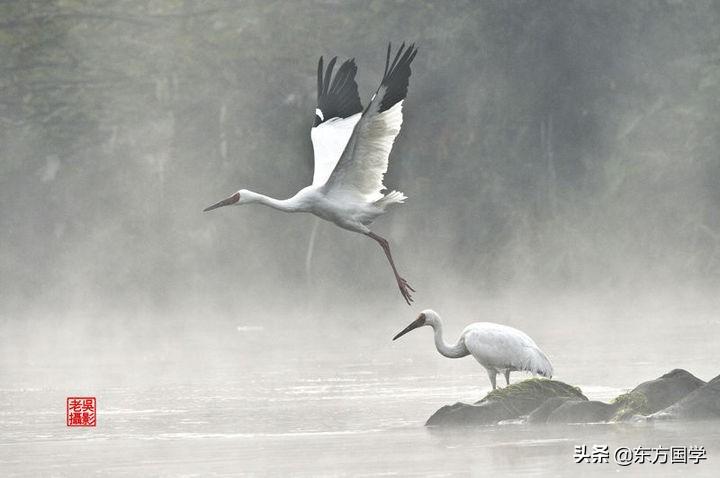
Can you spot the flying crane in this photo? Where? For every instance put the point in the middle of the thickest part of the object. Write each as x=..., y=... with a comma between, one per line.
x=351, y=150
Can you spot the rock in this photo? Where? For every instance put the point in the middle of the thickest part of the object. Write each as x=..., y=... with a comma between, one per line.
x=507, y=403
x=590, y=411
x=463, y=414
x=676, y=395
x=630, y=405
x=666, y=390
x=541, y=413
x=702, y=404
x=643, y=400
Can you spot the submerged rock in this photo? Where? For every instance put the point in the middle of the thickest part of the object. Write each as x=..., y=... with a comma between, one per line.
x=541, y=413
x=590, y=411
x=701, y=404
x=506, y=403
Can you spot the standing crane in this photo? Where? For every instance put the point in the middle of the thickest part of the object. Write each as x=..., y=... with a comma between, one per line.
x=496, y=347
x=351, y=148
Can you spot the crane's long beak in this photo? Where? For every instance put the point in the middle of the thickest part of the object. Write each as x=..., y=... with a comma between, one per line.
x=225, y=202
x=419, y=322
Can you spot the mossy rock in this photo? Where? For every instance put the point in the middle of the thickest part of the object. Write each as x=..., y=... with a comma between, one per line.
x=524, y=395
x=629, y=405
x=507, y=403
x=677, y=394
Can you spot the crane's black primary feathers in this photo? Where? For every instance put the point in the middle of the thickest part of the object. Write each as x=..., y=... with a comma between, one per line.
x=396, y=77
x=337, y=98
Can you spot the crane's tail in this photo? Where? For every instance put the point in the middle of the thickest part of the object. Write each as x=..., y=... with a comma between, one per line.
x=538, y=363
x=393, y=197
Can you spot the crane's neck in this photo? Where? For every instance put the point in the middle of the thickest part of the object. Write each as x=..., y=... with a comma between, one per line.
x=456, y=350
x=287, y=205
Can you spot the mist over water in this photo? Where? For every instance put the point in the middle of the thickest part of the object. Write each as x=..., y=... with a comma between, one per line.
x=561, y=164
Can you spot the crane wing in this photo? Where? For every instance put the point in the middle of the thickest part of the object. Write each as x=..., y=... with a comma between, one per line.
x=364, y=161
x=338, y=110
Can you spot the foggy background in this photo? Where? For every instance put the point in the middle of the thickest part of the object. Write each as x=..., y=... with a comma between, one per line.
x=560, y=158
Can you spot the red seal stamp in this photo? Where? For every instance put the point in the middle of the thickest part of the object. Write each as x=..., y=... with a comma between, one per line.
x=81, y=411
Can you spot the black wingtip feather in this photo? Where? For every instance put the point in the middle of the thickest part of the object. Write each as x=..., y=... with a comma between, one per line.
x=397, y=76
x=328, y=74
x=337, y=94
x=319, y=77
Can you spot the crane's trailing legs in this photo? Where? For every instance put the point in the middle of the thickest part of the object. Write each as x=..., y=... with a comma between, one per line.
x=403, y=285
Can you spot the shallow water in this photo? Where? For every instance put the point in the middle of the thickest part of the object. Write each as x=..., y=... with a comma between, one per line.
x=356, y=420
x=244, y=399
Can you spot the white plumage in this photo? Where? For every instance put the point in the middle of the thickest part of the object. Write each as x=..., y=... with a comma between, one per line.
x=498, y=348
x=329, y=139
x=363, y=164
x=351, y=151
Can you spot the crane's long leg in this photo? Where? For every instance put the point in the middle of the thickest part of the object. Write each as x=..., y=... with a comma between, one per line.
x=492, y=374
x=404, y=287
x=507, y=376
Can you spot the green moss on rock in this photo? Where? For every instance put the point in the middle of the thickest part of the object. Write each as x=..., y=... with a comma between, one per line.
x=630, y=404
x=532, y=389
x=507, y=403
